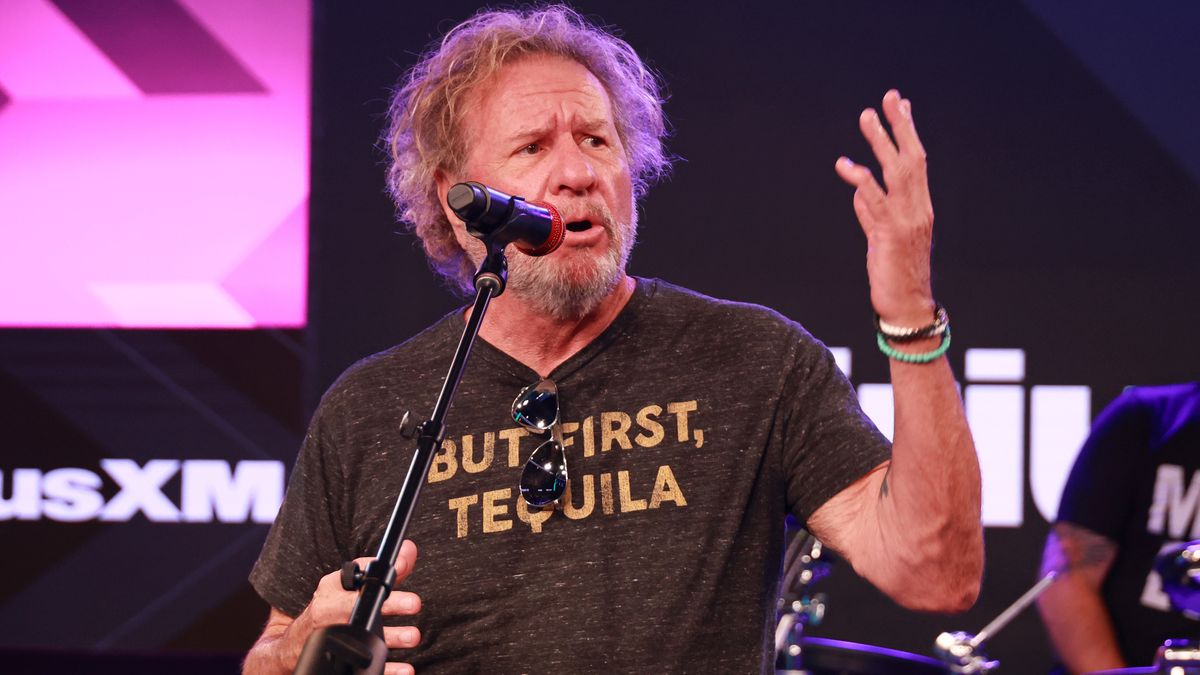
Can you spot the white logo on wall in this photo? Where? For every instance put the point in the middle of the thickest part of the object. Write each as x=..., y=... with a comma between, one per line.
x=210, y=490
x=1059, y=420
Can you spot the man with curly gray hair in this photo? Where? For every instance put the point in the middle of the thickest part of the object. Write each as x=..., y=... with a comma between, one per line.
x=692, y=425
x=429, y=126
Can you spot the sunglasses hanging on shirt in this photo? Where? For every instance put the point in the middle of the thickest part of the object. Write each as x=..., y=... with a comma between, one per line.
x=544, y=478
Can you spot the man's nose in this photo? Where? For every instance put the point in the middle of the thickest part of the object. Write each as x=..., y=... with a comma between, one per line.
x=573, y=170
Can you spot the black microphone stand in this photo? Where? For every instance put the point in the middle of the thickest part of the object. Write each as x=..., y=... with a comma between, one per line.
x=357, y=648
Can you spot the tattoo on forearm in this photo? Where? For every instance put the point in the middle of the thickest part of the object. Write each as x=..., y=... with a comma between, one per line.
x=1092, y=554
x=1082, y=549
x=883, y=487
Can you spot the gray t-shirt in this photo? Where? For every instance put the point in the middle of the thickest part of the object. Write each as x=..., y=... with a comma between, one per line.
x=692, y=427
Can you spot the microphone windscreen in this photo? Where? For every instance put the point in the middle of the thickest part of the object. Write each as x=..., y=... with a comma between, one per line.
x=467, y=201
x=558, y=232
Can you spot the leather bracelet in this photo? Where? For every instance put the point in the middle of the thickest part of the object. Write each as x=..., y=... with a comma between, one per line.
x=941, y=323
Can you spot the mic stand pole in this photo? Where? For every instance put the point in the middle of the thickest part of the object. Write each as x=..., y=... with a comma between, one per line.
x=357, y=648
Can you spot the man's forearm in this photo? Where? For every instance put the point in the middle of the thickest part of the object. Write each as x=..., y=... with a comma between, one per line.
x=929, y=501
x=911, y=526
x=265, y=657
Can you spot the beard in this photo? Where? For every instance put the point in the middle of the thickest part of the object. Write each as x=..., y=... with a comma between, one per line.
x=569, y=284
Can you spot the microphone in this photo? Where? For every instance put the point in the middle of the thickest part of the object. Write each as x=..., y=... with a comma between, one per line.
x=535, y=227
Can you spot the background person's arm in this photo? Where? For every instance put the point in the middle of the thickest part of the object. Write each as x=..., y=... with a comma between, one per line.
x=1072, y=608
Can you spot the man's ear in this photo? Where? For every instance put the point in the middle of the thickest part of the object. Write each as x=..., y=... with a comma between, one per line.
x=444, y=182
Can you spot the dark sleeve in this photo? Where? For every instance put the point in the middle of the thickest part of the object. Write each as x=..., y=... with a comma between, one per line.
x=829, y=442
x=302, y=545
x=1099, y=489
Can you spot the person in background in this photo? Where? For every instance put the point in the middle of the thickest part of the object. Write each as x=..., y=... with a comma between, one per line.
x=1133, y=491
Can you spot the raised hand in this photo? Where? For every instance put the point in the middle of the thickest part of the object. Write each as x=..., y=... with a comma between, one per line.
x=898, y=220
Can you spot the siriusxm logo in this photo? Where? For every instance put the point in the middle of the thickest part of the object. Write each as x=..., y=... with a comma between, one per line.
x=1060, y=417
x=209, y=491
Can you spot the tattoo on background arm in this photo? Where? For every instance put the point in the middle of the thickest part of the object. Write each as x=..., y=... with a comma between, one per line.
x=1084, y=548
x=1092, y=554
x=883, y=487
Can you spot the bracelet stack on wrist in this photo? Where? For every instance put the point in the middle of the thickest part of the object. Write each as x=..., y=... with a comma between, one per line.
x=886, y=332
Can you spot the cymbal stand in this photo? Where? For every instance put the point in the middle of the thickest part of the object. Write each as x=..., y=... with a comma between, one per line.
x=962, y=652
x=802, y=568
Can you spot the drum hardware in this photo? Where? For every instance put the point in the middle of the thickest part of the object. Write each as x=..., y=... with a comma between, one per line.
x=1178, y=657
x=962, y=653
x=1179, y=568
x=803, y=566
x=806, y=562
x=806, y=566
x=1175, y=657
x=959, y=652
x=834, y=657
x=800, y=612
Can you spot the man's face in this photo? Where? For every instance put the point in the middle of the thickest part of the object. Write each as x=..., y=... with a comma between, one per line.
x=542, y=128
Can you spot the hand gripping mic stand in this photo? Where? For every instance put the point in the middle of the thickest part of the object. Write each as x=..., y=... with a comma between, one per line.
x=357, y=648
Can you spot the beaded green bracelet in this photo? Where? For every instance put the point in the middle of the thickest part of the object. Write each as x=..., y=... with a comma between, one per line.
x=924, y=357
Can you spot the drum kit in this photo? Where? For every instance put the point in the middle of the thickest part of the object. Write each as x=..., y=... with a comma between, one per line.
x=960, y=653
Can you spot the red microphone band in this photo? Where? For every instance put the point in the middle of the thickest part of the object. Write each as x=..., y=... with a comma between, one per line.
x=558, y=232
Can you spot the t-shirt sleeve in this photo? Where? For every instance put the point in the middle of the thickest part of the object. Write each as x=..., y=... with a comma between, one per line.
x=828, y=441
x=301, y=546
x=1098, y=493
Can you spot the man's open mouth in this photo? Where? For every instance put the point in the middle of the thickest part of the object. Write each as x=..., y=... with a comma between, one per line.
x=579, y=225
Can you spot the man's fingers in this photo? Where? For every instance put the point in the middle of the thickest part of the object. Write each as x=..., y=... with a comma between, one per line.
x=881, y=144
x=398, y=669
x=866, y=219
x=899, y=115
x=406, y=560
x=401, y=637
x=860, y=177
x=402, y=602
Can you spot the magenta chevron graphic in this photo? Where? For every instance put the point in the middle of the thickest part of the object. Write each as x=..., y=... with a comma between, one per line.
x=160, y=47
x=155, y=163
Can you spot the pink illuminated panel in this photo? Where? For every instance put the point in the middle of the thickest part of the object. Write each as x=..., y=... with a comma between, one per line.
x=153, y=163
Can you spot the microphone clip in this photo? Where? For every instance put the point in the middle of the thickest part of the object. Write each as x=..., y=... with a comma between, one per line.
x=494, y=270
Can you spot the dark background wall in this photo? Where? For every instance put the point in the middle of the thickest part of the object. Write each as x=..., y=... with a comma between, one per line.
x=1065, y=169
x=1062, y=161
